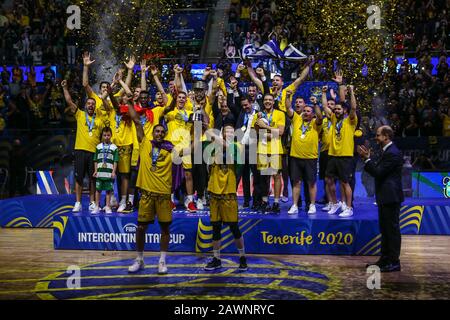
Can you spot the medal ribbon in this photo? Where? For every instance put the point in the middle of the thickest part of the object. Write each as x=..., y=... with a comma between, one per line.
x=118, y=120
x=105, y=154
x=90, y=124
x=339, y=127
x=305, y=128
x=155, y=155
x=268, y=119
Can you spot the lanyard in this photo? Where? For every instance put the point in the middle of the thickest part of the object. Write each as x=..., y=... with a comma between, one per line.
x=305, y=128
x=339, y=127
x=90, y=124
x=184, y=115
x=105, y=155
x=268, y=119
x=155, y=155
x=143, y=119
x=118, y=120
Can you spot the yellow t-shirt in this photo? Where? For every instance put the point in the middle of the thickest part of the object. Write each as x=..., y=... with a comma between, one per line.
x=343, y=146
x=282, y=98
x=99, y=108
x=275, y=118
x=124, y=133
x=222, y=181
x=160, y=180
x=305, y=138
x=325, y=136
x=84, y=141
x=446, y=126
x=178, y=127
x=148, y=126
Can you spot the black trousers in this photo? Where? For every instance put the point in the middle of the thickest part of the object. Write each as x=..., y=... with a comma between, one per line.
x=244, y=173
x=200, y=174
x=388, y=218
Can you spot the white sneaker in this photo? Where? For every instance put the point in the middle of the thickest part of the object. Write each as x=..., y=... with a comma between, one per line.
x=312, y=209
x=96, y=210
x=162, y=268
x=137, y=265
x=327, y=207
x=343, y=205
x=334, y=207
x=348, y=212
x=77, y=207
x=107, y=209
x=200, y=205
x=122, y=206
x=113, y=202
x=92, y=206
x=293, y=209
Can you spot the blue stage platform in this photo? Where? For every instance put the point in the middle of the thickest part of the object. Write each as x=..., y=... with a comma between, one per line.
x=275, y=234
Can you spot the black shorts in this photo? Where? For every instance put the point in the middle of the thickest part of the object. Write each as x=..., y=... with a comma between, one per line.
x=84, y=163
x=303, y=169
x=340, y=168
x=323, y=162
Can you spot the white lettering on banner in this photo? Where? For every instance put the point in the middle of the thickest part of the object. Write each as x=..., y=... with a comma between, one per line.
x=126, y=237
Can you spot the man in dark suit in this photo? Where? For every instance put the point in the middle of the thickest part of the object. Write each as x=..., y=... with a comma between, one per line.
x=389, y=196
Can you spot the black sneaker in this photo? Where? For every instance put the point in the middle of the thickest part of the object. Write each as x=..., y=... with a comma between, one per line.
x=246, y=204
x=129, y=208
x=213, y=264
x=242, y=264
x=276, y=208
x=264, y=207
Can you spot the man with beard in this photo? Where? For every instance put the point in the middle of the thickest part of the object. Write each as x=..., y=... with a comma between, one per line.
x=389, y=195
x=89, y=126
x=344, y=121
x=270, y=126
x=304, y=150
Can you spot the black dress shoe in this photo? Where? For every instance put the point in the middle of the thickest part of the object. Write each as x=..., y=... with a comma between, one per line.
x=381, y=262
x=264, y=207
x=392, y=267
x=276, y=208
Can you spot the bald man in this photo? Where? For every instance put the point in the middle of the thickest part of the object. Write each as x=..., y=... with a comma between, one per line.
x=389, y=195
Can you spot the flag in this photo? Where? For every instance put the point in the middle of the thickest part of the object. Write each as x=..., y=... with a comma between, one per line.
x=271, y=50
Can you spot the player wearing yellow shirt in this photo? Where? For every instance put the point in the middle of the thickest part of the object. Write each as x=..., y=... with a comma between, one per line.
x=89, y=127
x=304, y=151
x=100, y=108
x=270, y=127
x=155, y=182
x=341, y=152
x=179, y=125
x=125, y=139
x=277, y=83
x=223, y=204
x=325, y=137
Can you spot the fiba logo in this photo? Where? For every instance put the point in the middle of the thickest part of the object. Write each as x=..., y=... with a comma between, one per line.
x=446, y=189
x=129, y=228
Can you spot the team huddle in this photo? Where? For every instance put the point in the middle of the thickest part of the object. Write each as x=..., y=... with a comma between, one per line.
x=202, y=143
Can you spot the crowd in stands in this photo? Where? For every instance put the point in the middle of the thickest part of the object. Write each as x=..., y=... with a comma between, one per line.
x=416, y=104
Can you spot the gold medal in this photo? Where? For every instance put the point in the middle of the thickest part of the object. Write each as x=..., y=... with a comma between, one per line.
x=302, y=136
x=338, y=137
x=153, y=168
x=224, y=168
x=90, y=133
x=104, y=165
x=244, y=128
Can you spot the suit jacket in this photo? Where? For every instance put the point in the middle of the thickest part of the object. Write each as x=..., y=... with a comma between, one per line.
x=387, y=172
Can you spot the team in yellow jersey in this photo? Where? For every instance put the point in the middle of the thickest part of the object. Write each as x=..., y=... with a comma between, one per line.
x=156, y=139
